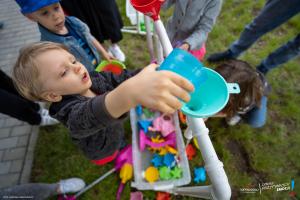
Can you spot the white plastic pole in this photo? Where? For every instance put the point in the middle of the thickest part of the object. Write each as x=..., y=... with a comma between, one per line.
x=147, y=21
x=158, y=49
x=95, y=182
x=203, y=192
x=138, y=22
x=214, y=167
x=133, y=31
x=163, y=36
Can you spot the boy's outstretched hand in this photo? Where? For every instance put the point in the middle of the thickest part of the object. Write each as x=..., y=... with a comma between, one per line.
x=159, y=90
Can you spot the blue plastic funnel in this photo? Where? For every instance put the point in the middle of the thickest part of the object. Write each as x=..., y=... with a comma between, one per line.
x=211, y=90
x=211, y=96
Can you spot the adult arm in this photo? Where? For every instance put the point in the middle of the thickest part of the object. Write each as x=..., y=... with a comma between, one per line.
x=204, y=26
x=96, y=43
x=102, y=50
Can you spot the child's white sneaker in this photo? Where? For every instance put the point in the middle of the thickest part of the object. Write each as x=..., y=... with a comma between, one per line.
x=46, y=119
x=117, y=52
x=70, y=185
x=233, y=120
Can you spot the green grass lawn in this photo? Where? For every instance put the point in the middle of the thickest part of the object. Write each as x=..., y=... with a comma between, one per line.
x=250, y=156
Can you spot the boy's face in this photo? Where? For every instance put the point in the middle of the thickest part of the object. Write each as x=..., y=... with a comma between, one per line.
x=61, y=74
x=52, y=17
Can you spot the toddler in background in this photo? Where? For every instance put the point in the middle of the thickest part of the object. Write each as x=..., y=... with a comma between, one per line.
x=251, y=103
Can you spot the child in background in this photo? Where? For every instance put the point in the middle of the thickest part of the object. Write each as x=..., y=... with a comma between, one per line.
x=191, y=22
x=251, y=103
x=70, y=31
x=103, y=18
x=93, y=106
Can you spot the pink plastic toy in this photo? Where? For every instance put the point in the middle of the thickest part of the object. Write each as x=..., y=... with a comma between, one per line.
x=164, y=124
x=199, y=53
x=124, y=162
x=66, y=197
x=169, y=140
x=125, y=156
x=136, y=195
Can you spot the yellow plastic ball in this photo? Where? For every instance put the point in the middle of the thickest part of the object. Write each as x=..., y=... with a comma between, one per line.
x=151, y=174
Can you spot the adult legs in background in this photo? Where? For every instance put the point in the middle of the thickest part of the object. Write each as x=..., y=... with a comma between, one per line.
x=273, y=14
x=14, y=105
x=103, y=19
x=281, y=55
x=111, y=23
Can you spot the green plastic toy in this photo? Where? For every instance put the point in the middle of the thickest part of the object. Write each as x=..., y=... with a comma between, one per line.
x=164, y=173
x=113, y=66
x=176, y=172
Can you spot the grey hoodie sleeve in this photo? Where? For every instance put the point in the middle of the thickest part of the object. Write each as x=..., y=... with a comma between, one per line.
x=86, y=116
x=205, y=24
x=89, y=117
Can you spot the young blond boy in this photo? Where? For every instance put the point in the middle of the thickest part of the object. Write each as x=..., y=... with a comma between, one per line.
x=54, y=26
x=93, y=106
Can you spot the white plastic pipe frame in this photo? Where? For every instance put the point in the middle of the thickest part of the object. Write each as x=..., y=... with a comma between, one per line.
x=135, y=29
x=149, y=37
x=220, y=188
x=133, y=15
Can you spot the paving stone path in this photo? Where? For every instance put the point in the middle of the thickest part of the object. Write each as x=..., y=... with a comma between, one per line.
x=17, y=138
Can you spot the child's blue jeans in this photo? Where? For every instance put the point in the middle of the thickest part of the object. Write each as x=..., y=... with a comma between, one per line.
x=258, y=115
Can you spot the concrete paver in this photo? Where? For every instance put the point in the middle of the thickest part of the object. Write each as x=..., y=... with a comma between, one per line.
x=20, y=130
x=17, y=138
x=23, y=141
x=4, y=167
x=10, y=179
x=16, y=166
x=5, y=132
x=1, y=154
x=7, y=143
x=14, y=153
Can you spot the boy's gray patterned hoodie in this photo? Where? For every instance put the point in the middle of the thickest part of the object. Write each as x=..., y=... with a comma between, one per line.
x=91, y=127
